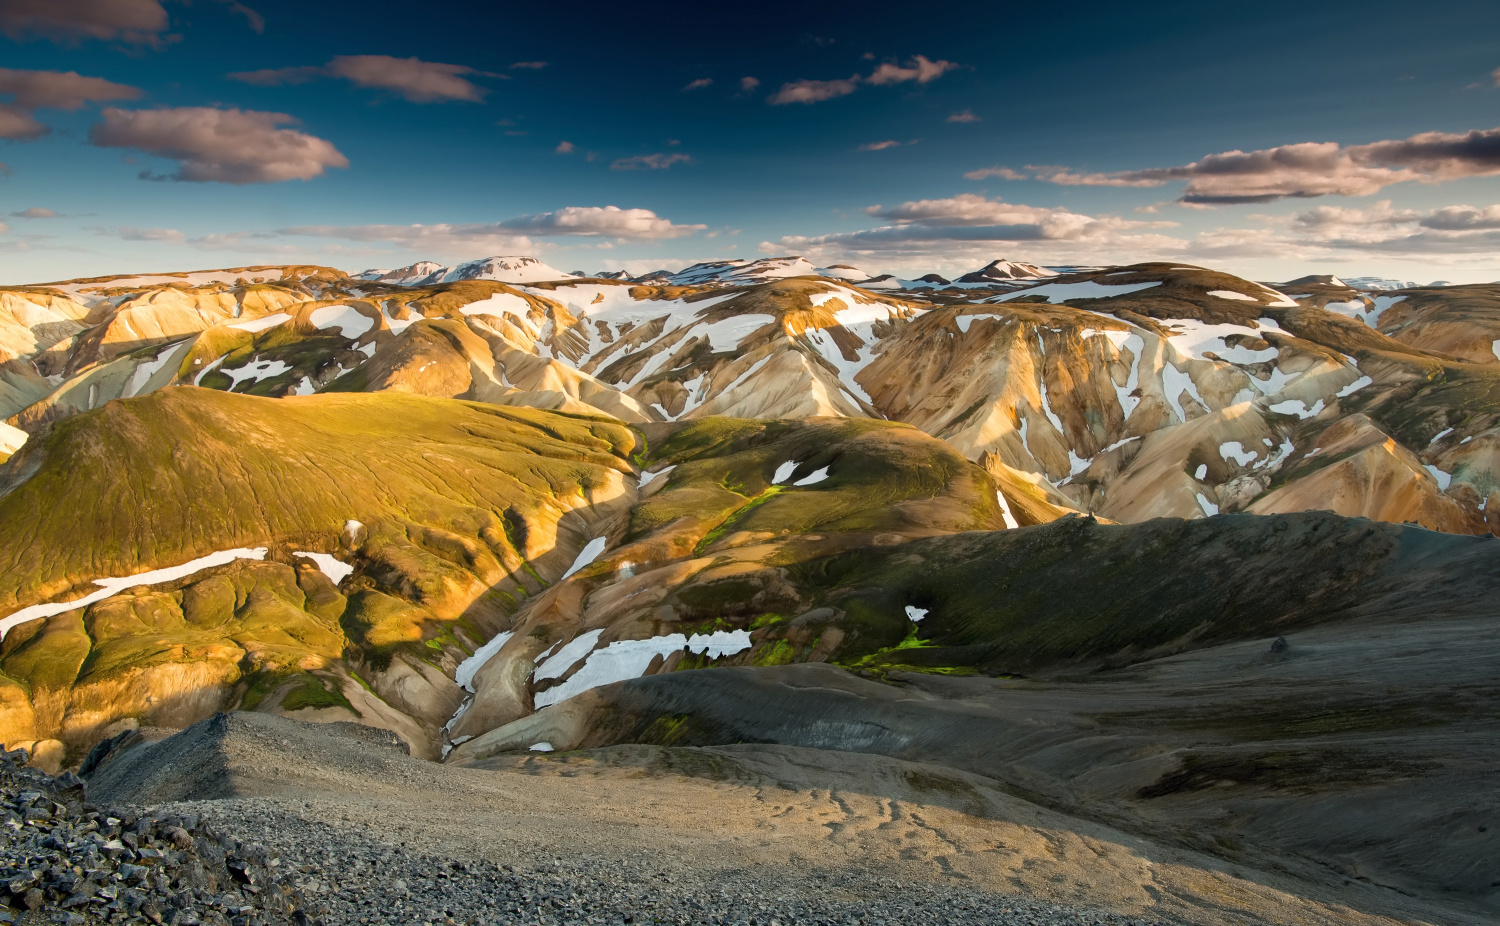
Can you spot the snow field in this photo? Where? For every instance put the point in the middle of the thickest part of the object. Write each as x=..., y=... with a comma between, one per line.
x=347, y=319
x=587, y=555
x=627, y=659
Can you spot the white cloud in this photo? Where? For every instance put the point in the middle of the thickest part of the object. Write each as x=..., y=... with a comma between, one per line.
x=879, y=145
x=36, y=212
x=563, y=147
x=651, y=161
x=137, y=22
x=968, y=227
x=438, y=239
x=529, y=65
x=813, y=91
x=513, y=236
x=18, y=124
x=219, y=145
x=32, y=90
x=919, y=69
x=748, y=84
x=413, y=79
x=1309, y=169
x=1003, y=172
x=965, y=116
x=607, y=221
x=700, y=83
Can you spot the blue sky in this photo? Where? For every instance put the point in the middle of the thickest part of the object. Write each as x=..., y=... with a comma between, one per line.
x=1090, y=133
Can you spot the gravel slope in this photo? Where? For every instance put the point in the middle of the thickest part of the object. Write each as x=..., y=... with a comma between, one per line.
x=743, y=834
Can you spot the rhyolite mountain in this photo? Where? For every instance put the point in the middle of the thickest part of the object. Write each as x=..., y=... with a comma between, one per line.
x=494, y=507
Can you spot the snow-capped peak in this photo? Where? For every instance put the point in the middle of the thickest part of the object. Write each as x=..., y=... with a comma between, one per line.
x=501, y=269
x=1006, y=270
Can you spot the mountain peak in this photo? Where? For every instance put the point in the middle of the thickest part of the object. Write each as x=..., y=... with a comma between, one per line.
x=1006, y=270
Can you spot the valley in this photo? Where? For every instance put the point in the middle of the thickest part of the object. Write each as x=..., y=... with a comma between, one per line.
x=1147, y=582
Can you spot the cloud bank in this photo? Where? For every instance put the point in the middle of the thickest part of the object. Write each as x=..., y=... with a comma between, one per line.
x=412, y=79
x=919, y=69
x=219, y=145
x=1303, y=170
x=33, y=90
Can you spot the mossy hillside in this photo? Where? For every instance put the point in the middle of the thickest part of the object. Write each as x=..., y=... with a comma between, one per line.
x=882, y=477
x=1078, y=593
x=144, y=483
x=312, y=356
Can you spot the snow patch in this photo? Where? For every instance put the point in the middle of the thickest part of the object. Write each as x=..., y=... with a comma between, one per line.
x=330, y=567
x=1088, y=289
x=1201, y=472
x=541, y=747
x=1353, y=387
x=627, y=659
x=813, y=478
x=254, y=372
x=1209, y=508
x=262, y=323
x=464, y=674
x=557, y=665
x=1234, y=450
x=350, y=322
x=916, y=614
x=1231, y=294
x=784, y=472
x=1297, y=407
x=646, y=478
x=1443, y=479
x=145, y=371
x=587, y=555
x=1010, y=519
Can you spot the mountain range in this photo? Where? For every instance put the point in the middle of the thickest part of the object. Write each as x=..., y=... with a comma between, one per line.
x=494, y=507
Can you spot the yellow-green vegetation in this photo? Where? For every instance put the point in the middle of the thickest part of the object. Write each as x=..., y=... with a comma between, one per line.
x=882, y=476
x=440, y=504
x=163, y=479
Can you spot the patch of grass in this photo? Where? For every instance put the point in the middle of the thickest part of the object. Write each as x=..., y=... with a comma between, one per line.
x=779, y=653
x=315, y=692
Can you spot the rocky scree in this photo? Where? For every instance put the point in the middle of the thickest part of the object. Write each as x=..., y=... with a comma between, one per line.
x=63, y=860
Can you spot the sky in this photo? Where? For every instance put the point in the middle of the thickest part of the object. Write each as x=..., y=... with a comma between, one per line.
x=1270, y=139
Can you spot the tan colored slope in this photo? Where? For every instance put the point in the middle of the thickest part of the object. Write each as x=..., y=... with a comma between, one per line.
x=1030, y=498
x=20, y=385
x=1158, y=475
x=1360, y=471
x=1456, y=321
x=32, y=321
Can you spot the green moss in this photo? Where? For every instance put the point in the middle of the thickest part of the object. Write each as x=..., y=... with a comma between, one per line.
x=777, y=654
x=712, y=536
x=665, y=730
x=261, y=685
x=767, y=620
x=315, y=692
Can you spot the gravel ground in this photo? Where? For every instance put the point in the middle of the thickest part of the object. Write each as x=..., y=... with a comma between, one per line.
x=350, y=877
x=63, y=860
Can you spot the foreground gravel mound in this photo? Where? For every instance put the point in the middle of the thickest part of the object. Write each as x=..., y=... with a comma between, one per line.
x=63, y=860
x=358, y=880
